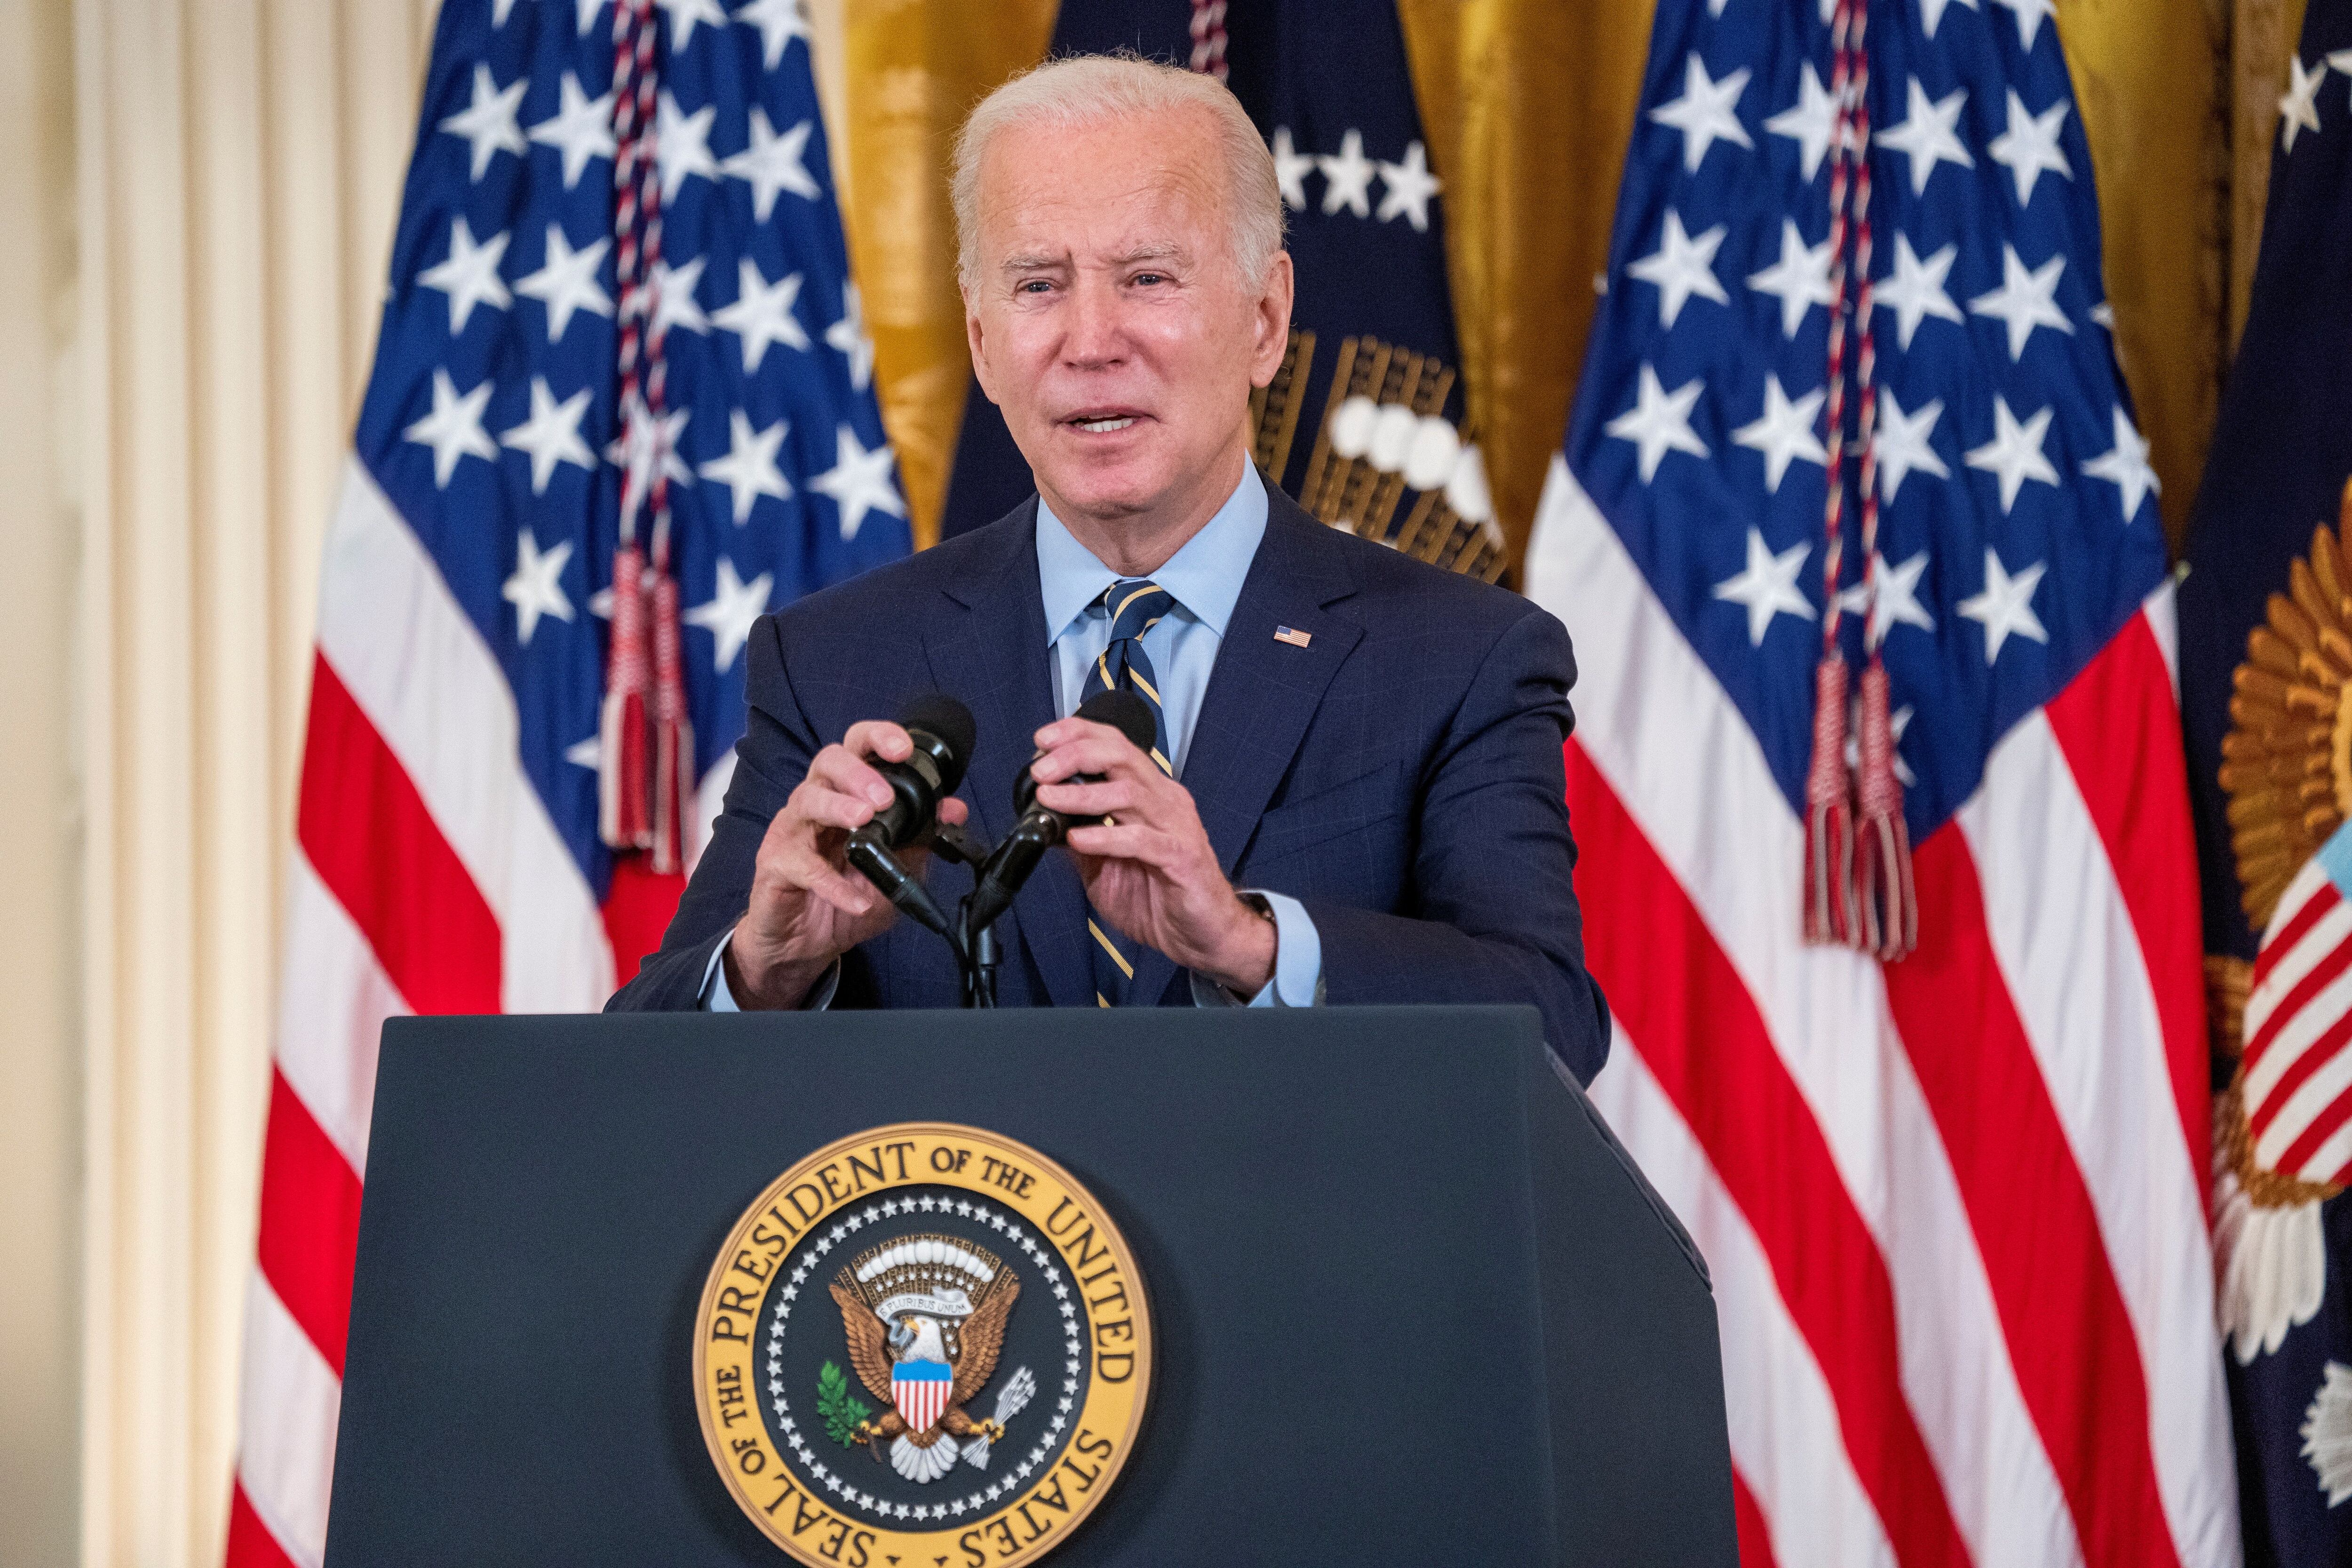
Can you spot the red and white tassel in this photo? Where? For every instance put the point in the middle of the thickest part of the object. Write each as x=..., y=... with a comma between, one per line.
x=1884, y=894
x=672, y=769
x=1829, y=813
x=623, y=818
x=1209, y=37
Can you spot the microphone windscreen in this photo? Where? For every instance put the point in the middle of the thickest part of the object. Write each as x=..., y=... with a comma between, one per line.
x=950, y=722
x=1126, y=712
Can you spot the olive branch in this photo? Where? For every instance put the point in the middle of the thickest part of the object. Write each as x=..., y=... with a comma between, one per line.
x=843, y=1412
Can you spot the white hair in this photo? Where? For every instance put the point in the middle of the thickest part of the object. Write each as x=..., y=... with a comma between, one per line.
x=1085, y=89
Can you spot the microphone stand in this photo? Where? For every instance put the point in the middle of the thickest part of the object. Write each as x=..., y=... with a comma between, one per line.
x=996, y=872
x=980, y=960
x=976, y=952
x=999, y=873
x=972, y=934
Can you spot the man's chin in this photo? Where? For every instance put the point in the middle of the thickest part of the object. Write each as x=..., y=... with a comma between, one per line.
x=1107, y=492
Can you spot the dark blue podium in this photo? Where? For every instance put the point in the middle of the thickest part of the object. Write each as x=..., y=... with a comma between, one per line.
x=1411, y=1302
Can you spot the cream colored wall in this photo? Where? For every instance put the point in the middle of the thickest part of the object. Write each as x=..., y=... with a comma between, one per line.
x=39, y=1080
x=238, y=166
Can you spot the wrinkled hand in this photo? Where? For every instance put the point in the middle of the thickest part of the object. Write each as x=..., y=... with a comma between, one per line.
x=807, y=907
x=1149, y=869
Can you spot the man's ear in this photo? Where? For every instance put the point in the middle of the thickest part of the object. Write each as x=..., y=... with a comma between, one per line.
x=973, y=340
x=1271, y=329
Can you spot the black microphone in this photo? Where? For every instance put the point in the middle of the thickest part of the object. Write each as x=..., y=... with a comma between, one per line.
x=1039, y=828
x=943, y=731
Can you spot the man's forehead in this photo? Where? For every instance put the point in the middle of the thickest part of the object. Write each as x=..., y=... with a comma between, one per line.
x=1037, y=245
x=1120, y=189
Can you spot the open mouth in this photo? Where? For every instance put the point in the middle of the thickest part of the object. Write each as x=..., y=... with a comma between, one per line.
x=1100, y=423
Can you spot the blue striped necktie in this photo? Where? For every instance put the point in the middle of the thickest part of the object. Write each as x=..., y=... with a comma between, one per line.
x=1134, y=607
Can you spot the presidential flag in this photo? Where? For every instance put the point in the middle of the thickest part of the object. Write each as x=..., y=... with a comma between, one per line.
x=2264, y=659
x=1876, y=782
x=622, y=406
x=1365, y=422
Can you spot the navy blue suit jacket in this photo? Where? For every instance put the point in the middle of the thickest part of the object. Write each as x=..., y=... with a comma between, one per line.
x=1400, y=775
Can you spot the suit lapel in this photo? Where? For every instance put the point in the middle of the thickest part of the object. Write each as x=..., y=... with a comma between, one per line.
x=989, y=647
x=1263, y=694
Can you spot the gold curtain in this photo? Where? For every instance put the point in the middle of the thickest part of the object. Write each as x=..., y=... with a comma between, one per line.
x=2257, y=36
x=1529, y=105
x=2145, y=76
x=913, y=69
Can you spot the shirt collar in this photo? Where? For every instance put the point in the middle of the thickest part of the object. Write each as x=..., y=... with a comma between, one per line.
x=1204, y=577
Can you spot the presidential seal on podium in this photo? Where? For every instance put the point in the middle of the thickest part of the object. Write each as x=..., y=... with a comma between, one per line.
x=923, y=1344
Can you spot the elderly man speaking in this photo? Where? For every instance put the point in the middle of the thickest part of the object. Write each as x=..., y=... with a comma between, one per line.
x=1356, y=793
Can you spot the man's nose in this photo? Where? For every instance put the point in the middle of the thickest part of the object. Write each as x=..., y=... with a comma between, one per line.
x=1096, y=335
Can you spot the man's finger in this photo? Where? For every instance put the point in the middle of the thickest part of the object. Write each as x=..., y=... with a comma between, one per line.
x=812, y=873
x=1115, y=796
x=1126, y=841
x=831, y=808
x=879, y=738
x=1106, y=754
x=1074, y=728
x=837, y=766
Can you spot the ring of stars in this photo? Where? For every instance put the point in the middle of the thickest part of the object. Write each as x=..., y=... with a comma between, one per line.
x=787, y=1425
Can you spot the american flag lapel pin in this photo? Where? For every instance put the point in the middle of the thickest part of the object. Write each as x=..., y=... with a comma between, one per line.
x=1294, y=637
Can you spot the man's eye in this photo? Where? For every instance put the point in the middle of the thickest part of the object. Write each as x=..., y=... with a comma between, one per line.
x=1152, y=277
x=1033, y=285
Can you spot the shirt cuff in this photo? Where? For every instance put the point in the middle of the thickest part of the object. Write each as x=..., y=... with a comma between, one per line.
x=716, y=997
x=1298, y=962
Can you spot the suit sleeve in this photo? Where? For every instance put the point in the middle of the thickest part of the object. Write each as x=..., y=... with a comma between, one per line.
x=773, y=756
x=1494, y=912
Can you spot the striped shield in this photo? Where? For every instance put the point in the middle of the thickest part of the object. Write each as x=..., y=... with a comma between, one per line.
x=2298, y=1029
x=920, y=1389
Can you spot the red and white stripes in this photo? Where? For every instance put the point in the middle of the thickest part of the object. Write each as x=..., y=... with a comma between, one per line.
x=426, y=878
x=2298, y=1025
x=1952, y=1204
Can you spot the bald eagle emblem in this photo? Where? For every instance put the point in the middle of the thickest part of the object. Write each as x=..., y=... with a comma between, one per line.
x=924, y=1316
x=2280, y=1147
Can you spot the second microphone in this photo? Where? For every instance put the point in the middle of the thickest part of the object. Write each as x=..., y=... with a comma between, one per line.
x=1039, y=828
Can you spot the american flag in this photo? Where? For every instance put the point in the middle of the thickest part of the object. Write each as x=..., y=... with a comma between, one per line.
x=619, y=307
x=1851, y=405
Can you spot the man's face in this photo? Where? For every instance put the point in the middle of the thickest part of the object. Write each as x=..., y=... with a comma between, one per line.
x=1108, y=318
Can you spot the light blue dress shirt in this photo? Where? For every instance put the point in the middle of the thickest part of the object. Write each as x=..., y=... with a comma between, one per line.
x=1205, y=579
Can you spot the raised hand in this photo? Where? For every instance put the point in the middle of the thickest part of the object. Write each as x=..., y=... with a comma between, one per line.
x=1149, y=869
x=807, y=907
